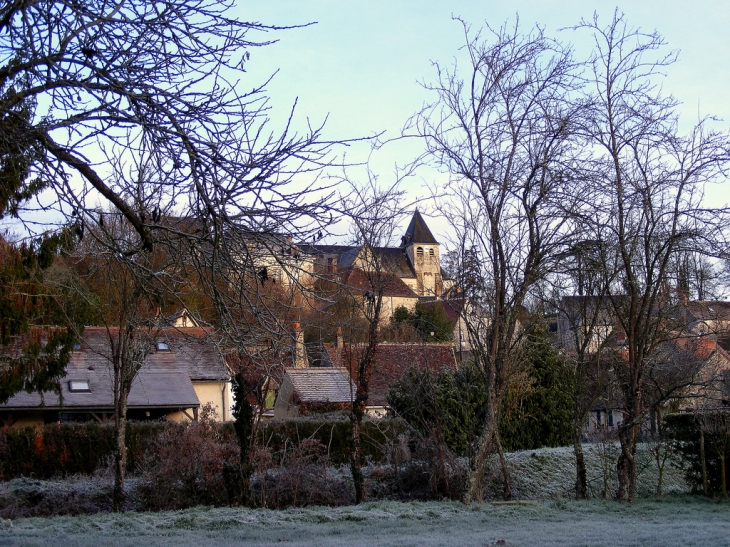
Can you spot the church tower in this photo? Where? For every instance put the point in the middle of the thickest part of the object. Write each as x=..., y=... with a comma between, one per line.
x=422, y=250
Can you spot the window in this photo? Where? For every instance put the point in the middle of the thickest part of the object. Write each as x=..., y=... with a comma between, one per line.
x=610, y=418
x=76, y=386
x=419, y=254
x=269, y=399
x=77, y=346
x=432, y=256
x=162, y=346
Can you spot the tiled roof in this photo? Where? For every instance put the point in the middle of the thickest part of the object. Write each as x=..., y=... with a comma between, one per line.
x=163, y=381
x=151, y=388
x=392, y=285
x=704, y=310
x=317, y=385
x=390, y=361
x=195, y=352
x=396, y=261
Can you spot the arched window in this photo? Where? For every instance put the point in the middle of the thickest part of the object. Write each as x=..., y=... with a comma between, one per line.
x=419, y=254
x=432, y=256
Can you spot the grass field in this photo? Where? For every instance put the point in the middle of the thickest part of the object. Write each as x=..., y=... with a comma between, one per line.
x=544, y=476
x=677, y=520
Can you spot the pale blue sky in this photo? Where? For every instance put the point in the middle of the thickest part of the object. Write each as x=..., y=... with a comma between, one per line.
x=361, y=62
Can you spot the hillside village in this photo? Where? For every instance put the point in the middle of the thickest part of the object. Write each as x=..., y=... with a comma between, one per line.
x=183, y=322
x=187, y=370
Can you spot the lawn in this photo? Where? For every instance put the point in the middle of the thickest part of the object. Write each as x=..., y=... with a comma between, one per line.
x=676, y=520
x=544, y=477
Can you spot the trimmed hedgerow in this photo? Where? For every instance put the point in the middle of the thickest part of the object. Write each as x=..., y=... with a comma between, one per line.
x=69, y=449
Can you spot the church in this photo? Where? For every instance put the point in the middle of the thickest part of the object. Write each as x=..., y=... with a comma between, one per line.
x=416, y=262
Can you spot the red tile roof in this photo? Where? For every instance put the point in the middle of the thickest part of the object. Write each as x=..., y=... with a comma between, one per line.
x=391, y=284
x=390, y=361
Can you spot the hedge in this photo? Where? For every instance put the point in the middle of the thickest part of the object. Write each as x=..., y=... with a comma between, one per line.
x=684, y=432
x=67, y=449
x=334, y=432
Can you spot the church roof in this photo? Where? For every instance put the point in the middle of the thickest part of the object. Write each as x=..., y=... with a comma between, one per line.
x=418, y=231
x=392, y=285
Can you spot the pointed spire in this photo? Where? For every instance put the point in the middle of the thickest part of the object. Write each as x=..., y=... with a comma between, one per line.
x=418, y=231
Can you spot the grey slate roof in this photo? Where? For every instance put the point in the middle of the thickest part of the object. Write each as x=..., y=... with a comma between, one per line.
x=396, y=261
x=709, y=310
x=165, y=379
x=314, y=385
x=418, y=231
x=151, y=388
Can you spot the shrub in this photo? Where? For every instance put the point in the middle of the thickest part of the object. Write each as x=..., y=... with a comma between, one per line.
x=684, y=432
x=299, y=475
x=186, y=466
x=333, y=431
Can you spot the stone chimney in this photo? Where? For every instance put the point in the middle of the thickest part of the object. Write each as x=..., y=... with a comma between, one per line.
x=300, y=352
x=340, y=343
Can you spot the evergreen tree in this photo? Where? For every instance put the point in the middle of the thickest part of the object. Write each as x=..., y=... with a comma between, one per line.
x=539, y=414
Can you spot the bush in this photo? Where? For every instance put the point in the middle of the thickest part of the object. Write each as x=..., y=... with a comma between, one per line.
x=187, y=466
x=537, y=410
x=333, y=431
x=69, y=449
x=684, y=432
x=297, y=476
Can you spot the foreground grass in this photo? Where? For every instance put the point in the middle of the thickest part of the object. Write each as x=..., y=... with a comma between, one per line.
x=676, y=520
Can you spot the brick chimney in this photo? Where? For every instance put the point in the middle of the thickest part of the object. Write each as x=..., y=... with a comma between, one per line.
x=300, y=353
x=340, y=342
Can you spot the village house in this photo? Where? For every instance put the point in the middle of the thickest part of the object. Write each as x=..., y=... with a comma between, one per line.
x=181, y=374
x=307, y=389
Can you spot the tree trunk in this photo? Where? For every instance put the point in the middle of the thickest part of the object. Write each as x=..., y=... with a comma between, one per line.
x=626, y=466
x=356, y=456
x=475, y=491
x=507, y=486
x=120, y=455
x=659, y=482
x=723, y=483
x=243, y=413
x=581, y=480
x=703, y=462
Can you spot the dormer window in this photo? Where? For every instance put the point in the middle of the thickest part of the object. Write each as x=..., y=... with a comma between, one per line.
x=79, y=386
x=162, y=346
x=419, y=254
x=77, y=346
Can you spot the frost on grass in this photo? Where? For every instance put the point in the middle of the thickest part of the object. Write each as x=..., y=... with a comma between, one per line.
x=651, y=522
x=77, y=495
x=549, y=473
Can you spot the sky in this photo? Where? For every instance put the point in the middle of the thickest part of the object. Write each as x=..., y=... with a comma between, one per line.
x=360, y=65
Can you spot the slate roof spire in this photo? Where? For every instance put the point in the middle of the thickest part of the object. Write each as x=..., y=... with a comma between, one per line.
x=418, y=231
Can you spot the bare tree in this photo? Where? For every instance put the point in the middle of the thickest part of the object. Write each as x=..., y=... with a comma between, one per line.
x=163, y=81
x=125, y=297
x=652, y=182
x=148, y=107
x=585, y=326
x=373, y=213
x=502, y=131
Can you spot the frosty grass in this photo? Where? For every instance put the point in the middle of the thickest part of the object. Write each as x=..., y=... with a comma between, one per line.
x=545, y=475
